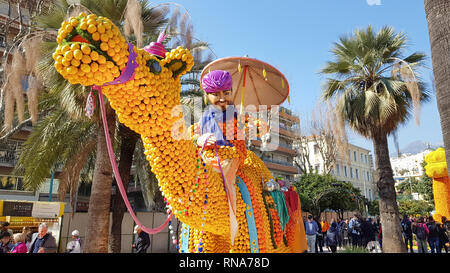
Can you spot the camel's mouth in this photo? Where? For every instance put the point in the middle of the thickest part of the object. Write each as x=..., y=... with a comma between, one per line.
x=78, y=38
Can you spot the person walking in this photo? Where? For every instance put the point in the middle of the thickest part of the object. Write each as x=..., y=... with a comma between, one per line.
x=311, y=230
x=43, y=241
x=331, y=237
x=141, y=241
x=372, y=236
x=19, y=243
x=433, y=235
x=5, y=245
x=5, y=227
x=347, y=235
x=379, y=232
x=407, y=232
x=340, y=228
x=26, y=231
x=319, y=237
x=325, y=226
x=421, y=231
x=74, y=246
x=443, y=237
x=354, y=227
x=366, y=232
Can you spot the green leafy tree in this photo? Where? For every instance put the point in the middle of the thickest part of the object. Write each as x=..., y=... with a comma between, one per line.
x=425, y=186
x=414, y=207
x=374, y=207
x=320, y=192
x=376, y=89
x=408, y=186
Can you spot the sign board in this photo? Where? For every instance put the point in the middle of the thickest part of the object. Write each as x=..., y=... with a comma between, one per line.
x=45, y=210
x=23, y=209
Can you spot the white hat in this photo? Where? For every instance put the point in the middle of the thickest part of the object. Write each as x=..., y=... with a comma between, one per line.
x=136, y=227
x=76, y=233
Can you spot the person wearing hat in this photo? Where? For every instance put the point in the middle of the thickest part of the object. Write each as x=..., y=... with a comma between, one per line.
x=141, y=240
x=219, y=116
x=74, y=246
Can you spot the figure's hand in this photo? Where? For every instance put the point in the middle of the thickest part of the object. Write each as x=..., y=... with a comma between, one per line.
x=41, y=250
x=210, y=137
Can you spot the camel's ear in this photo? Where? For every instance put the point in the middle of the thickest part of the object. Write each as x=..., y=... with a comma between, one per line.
x=178, y=67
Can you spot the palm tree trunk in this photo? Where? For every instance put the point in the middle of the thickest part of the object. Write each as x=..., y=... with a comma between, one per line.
x=127, y=146
x=100, y=200
x=438, y=17
x=390, y=218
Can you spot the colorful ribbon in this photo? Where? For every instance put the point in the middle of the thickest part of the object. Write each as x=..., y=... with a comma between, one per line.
x=249, y=214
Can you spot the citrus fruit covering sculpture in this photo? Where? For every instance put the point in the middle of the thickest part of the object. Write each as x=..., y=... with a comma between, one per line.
x=92, y=52
x=436, y=168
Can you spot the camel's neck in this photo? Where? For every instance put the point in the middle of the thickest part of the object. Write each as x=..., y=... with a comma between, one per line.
x=147, y=105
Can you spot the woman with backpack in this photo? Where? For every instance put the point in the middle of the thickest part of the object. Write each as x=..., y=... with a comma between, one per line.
x=421, y=231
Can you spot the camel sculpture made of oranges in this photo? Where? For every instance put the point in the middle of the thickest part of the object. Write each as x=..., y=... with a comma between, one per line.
x=92, y=51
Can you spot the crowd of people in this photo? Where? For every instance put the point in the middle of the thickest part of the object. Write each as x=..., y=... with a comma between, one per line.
x=44, y=242
x=39, y=242
x=367, y=233
x=355, y=232
x=434, y=234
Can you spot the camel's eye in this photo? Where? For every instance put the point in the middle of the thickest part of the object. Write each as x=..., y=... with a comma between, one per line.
x=154, y=66
x=177, y=67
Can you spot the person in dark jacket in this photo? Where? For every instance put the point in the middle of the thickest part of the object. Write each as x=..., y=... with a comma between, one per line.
x=366, y=232
x=43, y=241
x=443, y=238
x=433, y=236
x=319, y=238
x=141, y=240
x=5, y=245
x=332, y=237
x=407, y=232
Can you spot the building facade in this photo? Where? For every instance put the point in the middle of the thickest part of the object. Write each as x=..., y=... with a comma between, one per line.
x=408, y=166
x=279, y=155
x=357, y=167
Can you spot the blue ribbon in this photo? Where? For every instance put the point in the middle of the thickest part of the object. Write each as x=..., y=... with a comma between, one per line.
x=251, y=223
x=184, y=248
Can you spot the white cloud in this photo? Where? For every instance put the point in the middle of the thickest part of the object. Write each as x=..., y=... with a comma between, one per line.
x=374, y=2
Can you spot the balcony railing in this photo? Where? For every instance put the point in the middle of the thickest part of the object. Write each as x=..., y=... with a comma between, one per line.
x=10, y=152
x=278, y=162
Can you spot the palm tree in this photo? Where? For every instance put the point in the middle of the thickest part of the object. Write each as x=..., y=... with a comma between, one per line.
x=438, y=17
x=376, y=90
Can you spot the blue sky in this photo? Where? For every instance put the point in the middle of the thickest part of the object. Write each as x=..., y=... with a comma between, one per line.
x=296, y=37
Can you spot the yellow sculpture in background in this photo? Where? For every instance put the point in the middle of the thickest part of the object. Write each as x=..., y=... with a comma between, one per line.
x=436, y=168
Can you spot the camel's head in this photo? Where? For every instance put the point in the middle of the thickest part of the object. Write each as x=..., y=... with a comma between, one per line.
x=92, y=51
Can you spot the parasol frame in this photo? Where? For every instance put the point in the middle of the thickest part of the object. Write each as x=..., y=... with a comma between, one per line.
x=246, y=61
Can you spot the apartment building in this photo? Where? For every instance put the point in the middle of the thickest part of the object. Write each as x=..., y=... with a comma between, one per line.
x=11, y=187
x=356, y=167
x=279, y=157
